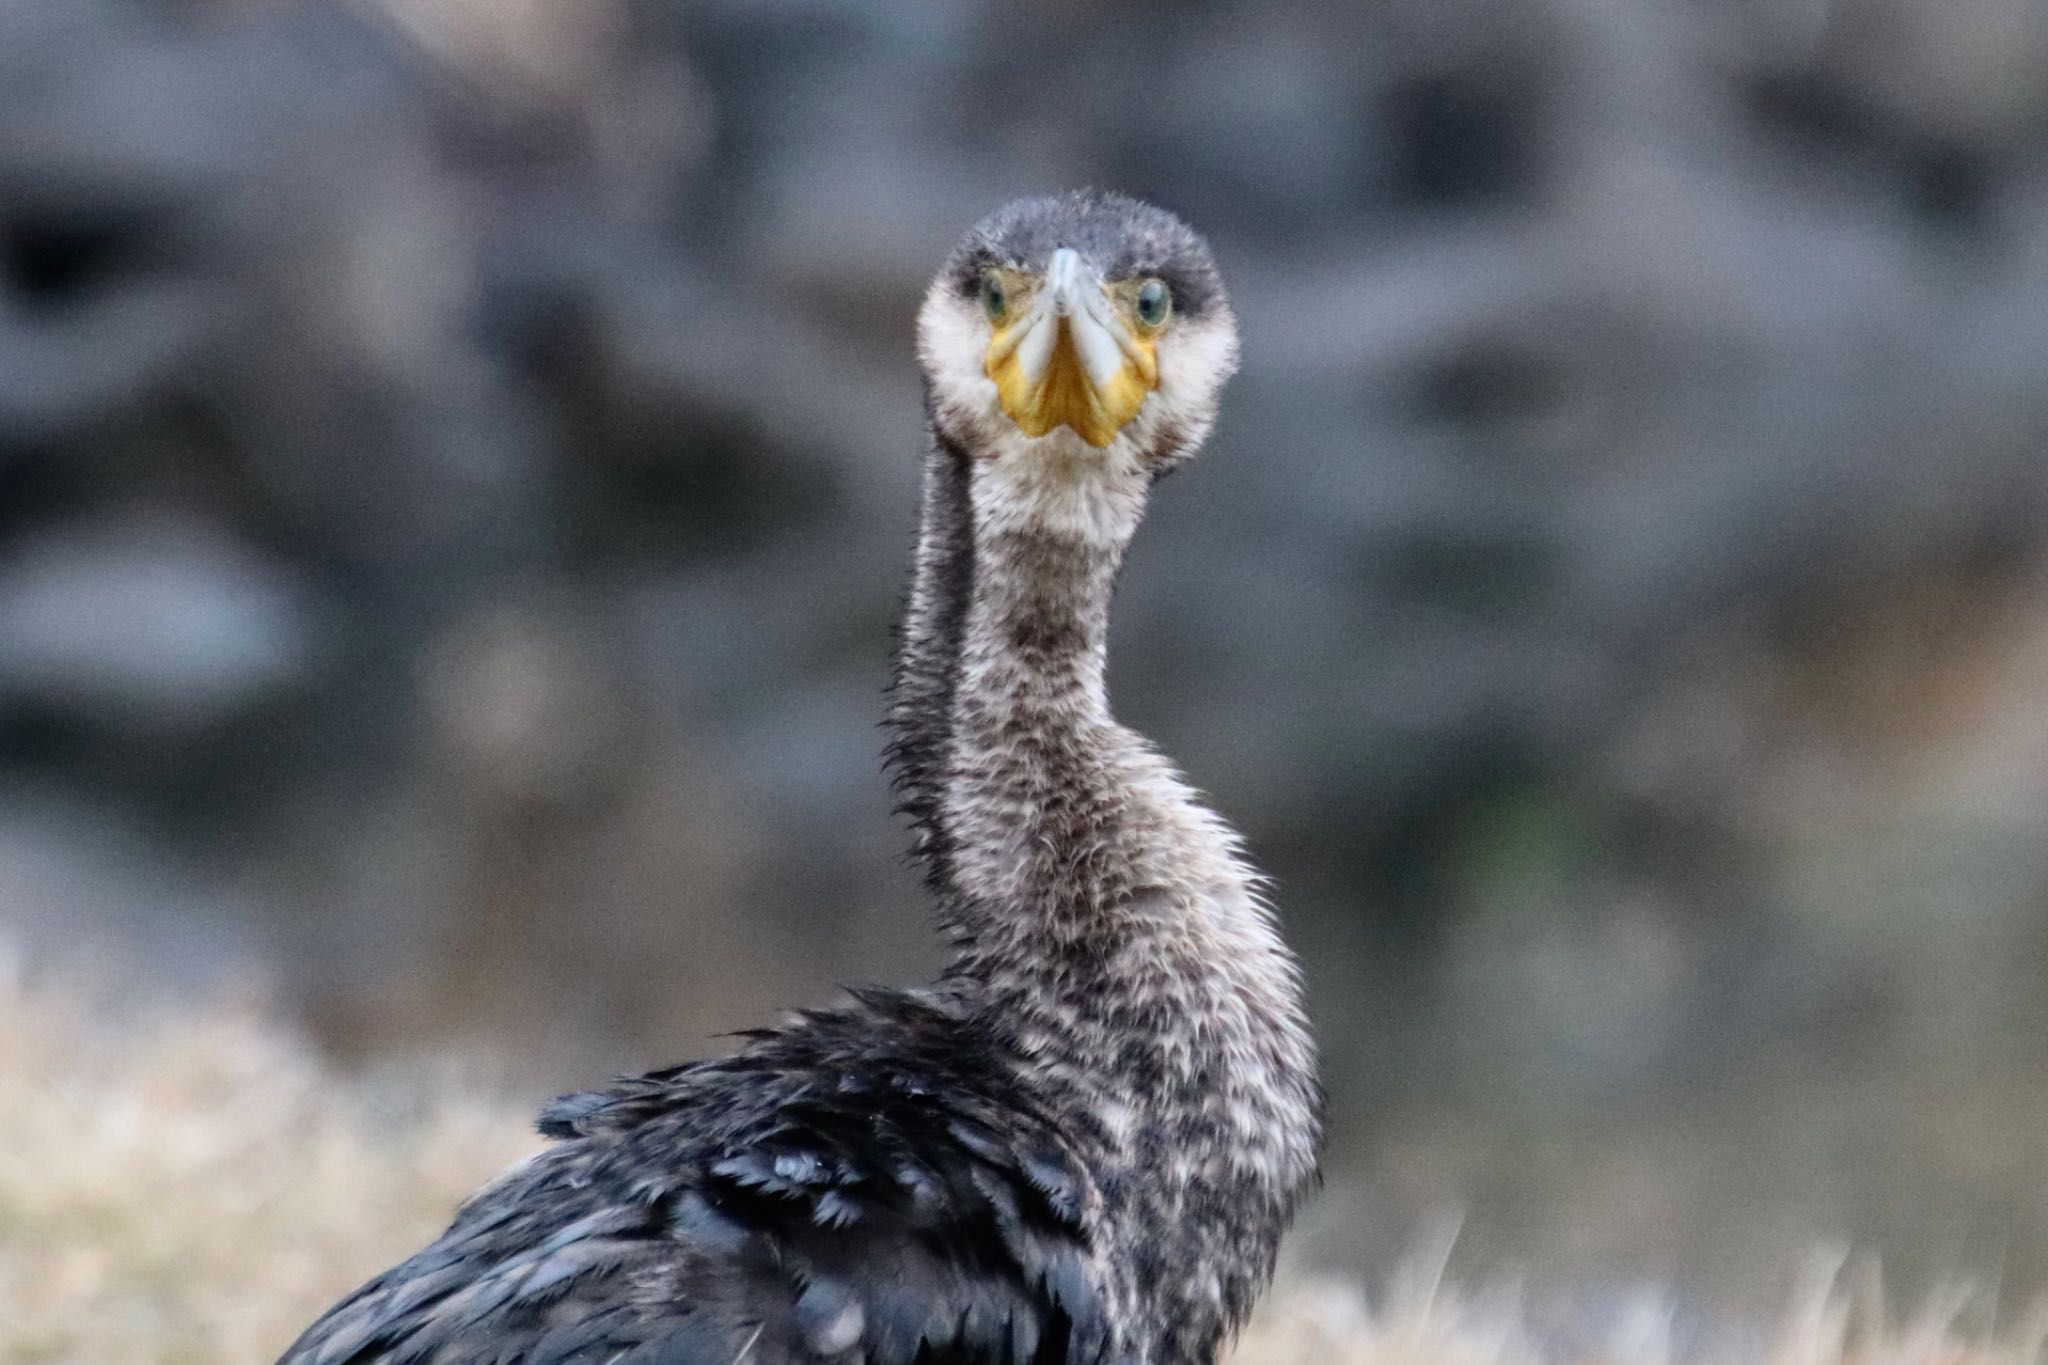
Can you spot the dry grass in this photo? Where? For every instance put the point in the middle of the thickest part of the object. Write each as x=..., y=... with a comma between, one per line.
x=189, y=1186
x=1834, y=1319
x=181, y=1185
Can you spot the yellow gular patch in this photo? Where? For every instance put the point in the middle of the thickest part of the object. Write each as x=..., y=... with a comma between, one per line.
x=1064, y=394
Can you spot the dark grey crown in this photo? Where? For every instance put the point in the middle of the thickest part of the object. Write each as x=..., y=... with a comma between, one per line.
x=1121, y=236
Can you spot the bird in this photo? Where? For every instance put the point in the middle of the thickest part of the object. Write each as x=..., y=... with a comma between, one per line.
x=1084, y=1139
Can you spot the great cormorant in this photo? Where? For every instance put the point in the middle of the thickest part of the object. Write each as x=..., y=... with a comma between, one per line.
x=1083, y=1142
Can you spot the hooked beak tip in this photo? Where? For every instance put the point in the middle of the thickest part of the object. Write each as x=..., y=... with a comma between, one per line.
x=1069, y=361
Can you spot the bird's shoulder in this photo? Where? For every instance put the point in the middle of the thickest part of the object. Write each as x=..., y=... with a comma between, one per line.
x=863, y=1184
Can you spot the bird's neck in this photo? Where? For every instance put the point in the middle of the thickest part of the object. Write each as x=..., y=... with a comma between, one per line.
x=999, y=710
x=1099, y=914
x=1070, y=857
x=927, y=652
x=1044, y=836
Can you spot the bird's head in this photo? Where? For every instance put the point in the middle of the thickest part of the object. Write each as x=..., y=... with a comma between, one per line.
x=1082, y=330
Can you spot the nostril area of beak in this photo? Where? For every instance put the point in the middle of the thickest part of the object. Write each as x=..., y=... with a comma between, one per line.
x=1064, y=276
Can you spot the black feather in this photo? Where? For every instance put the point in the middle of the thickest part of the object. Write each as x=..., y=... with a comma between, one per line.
x=860, y=1186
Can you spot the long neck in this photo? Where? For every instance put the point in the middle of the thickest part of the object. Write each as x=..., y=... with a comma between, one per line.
x=1099, y=913
x=1039, y=816
x=927, y=650
x=1062, y=833
x=1103, y=917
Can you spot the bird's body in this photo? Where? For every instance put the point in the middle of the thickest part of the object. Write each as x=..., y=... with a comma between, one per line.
x=1083, y=1142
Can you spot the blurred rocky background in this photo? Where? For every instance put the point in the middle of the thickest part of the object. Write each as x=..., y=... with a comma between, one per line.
x=457, y=462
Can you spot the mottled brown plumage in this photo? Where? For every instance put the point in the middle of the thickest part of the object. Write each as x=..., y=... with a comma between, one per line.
x=1084, y=1142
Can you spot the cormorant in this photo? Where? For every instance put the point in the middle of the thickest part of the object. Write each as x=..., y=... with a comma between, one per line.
x=1084, y=1141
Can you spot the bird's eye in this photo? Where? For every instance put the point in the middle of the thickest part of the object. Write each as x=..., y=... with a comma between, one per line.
x=1155, y=301
x=993, y=301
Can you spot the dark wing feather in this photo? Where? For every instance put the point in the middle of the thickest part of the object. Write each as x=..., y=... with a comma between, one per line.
x=859, y=1188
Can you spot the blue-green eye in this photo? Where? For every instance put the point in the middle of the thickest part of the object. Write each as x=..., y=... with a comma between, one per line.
x=1155, y=301
x=993, y=301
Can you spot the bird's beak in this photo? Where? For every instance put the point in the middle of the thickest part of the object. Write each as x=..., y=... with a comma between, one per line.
x=1067, y=357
